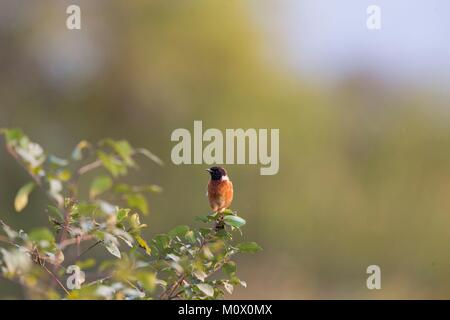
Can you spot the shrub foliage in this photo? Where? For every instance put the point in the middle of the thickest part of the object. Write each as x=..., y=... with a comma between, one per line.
x=57, y=261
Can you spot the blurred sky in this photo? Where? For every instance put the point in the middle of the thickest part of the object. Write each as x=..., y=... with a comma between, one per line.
x=328, y=39
x=324, y=41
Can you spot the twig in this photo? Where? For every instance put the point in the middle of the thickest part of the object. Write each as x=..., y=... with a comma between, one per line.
x=91, y=247
x=89, y=167
x=169, y=293
x=71, y=241
x=6, y=240
x=56, y=279
x=218, y=266
x=98, y=163
x=14, y=154
x=99, y=280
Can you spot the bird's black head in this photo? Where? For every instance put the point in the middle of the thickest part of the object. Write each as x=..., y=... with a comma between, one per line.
x=217, y=173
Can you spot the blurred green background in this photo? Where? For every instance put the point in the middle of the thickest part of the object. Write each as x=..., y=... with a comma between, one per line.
x=364, y=160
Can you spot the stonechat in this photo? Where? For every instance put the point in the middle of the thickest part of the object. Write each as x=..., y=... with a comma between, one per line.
x=220, y=189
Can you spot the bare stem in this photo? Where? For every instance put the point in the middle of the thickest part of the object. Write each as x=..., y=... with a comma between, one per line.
x=89, y=167
x=56, y=279
x=68, y=242
x=91, y=247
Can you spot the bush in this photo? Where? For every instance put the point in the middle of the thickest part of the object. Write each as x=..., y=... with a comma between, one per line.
x=49, y=263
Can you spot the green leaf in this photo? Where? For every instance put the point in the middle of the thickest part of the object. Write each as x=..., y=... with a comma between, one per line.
x=234, y=221
x=178, y=231
x=206, y=289
x=123, y=149
x=137, y=201
x=202, y=218
x=122, y=188
x=224, y=235
x=161, y=241
x=12, y=135
x=113, y=165
x=154, y=188
x=64, y=175
x=100, y=185
x=124, y=236
x=111, y=244
x=55, y=212
x=77, y=153
x=83, y=209
x=42, y=236
x=122, y=214
x=229, y=268
x=190, y=236
x=227, y=212
x=135, y=223
x=200, y=274
x=143, y=244
x=204, y=231
x=249, y=247
x=148, y=280
x=21, y=200
x=57, y=161
x=229, y=287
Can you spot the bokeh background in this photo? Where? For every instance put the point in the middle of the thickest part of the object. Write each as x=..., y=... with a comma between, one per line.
x=363, y=115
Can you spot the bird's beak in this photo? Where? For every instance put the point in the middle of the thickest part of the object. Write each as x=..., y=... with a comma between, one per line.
x=209, y=170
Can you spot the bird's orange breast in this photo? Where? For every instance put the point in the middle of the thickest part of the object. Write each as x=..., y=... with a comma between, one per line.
x=220, y=194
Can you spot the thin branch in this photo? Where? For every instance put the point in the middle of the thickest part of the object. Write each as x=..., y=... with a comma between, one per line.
x=91, y=247
x=6, y=240
x=14, y=154
x=169, y=293
x=89, y=167
x=218, y=266
x=98, y=163
x=56, y=279
x=99, y=280
x=71, y=241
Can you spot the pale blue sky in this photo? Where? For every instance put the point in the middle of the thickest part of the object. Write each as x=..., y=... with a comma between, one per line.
x=329, y=38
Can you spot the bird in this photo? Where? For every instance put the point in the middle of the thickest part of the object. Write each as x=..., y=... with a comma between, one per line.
x=220, y=189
